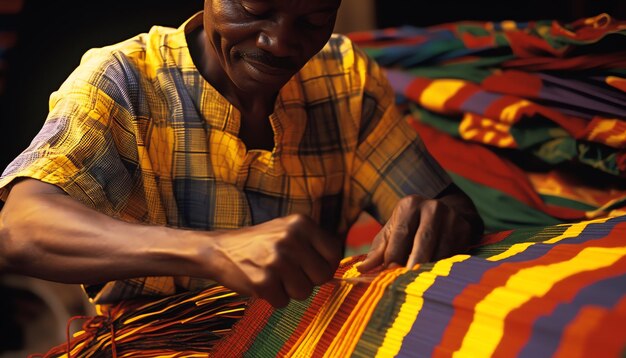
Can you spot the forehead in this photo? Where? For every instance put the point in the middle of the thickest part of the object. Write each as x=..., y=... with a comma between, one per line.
x=296, y=5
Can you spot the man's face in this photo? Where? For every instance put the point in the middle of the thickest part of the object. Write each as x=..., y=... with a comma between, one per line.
x=261, y=44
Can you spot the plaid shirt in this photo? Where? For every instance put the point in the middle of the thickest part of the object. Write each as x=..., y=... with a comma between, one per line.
x=137, y=133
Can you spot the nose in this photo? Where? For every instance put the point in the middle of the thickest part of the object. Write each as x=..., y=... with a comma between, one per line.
x=280, y=38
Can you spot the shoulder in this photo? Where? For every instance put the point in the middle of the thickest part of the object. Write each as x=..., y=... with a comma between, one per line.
x=141, y=52
x=118, y=69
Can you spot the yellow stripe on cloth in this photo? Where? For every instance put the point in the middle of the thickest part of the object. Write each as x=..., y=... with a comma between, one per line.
x=412, y=305
x=434, y=97
x=307, y=342
x=573, y=231
x=487, y=327
x=347, y=338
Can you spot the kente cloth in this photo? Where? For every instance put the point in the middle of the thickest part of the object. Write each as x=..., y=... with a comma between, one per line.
x=528, y=118
x=137, y=133
x=555, y=291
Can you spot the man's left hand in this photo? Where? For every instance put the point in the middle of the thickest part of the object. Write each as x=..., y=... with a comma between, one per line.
x=423, y=230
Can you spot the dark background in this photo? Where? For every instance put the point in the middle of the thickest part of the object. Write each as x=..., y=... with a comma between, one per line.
x=54, y=34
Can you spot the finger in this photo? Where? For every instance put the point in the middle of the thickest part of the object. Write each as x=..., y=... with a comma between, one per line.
x=327, y=245
x=404, y=224
x=376, y=255
x=273, y=291
x=425, y=240
x=314, y=266
x=296, y=283
x=399, y=243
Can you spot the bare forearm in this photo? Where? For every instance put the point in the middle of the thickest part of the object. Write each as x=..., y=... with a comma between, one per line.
x=44, y=233
x=54, y=237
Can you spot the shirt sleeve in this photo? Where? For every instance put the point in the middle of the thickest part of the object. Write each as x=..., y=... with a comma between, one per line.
x=391, y=160
x=77, y=149
x=88, y=148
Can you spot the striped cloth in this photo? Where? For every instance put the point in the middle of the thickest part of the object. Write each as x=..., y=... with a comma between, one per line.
x=137, y=133
x=528, y=118
x=554, y=291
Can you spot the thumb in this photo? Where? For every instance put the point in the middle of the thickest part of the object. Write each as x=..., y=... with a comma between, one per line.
x=374, y=259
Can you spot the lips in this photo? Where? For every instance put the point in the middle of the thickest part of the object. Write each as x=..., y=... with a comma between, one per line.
x=266, y=67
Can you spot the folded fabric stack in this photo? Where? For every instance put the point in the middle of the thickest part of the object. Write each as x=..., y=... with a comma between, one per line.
x=528, y=118
x=555, y=291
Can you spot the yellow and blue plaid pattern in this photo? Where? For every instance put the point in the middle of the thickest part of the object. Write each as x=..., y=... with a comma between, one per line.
x=137, y=133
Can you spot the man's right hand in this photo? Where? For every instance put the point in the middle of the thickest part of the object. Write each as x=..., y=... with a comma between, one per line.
x=278, y=260
x=46, y=234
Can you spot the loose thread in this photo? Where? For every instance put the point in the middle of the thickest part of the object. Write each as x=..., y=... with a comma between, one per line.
x=67, y=333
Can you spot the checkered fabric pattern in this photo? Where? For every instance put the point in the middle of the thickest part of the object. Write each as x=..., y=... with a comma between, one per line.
x=137, y=133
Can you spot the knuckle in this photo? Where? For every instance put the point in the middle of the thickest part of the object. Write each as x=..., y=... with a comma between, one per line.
x=432, y=206
x=298, y=219
x=411, y=200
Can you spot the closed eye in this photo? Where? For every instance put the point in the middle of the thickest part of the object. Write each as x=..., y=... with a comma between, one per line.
x=255, y=9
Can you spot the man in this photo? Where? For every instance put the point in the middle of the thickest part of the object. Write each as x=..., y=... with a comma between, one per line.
x=232, y=150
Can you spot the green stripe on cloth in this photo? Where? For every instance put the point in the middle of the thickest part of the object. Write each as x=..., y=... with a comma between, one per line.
x=280, y=327
x=501, y=211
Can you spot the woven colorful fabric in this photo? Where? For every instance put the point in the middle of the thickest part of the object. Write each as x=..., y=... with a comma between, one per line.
x=553, y=291
x=528, y=118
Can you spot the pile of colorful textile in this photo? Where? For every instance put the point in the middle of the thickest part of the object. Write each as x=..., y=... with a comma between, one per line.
x=528, y=118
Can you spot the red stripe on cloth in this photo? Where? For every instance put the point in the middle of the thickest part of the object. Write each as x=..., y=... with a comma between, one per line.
x=309, y=315
x=513, y=82
x=526, y=44
x=416, y=87
x=604, y=337
x=466, y=301
x=482, y=166
x=518, y=324
x=478, y=41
